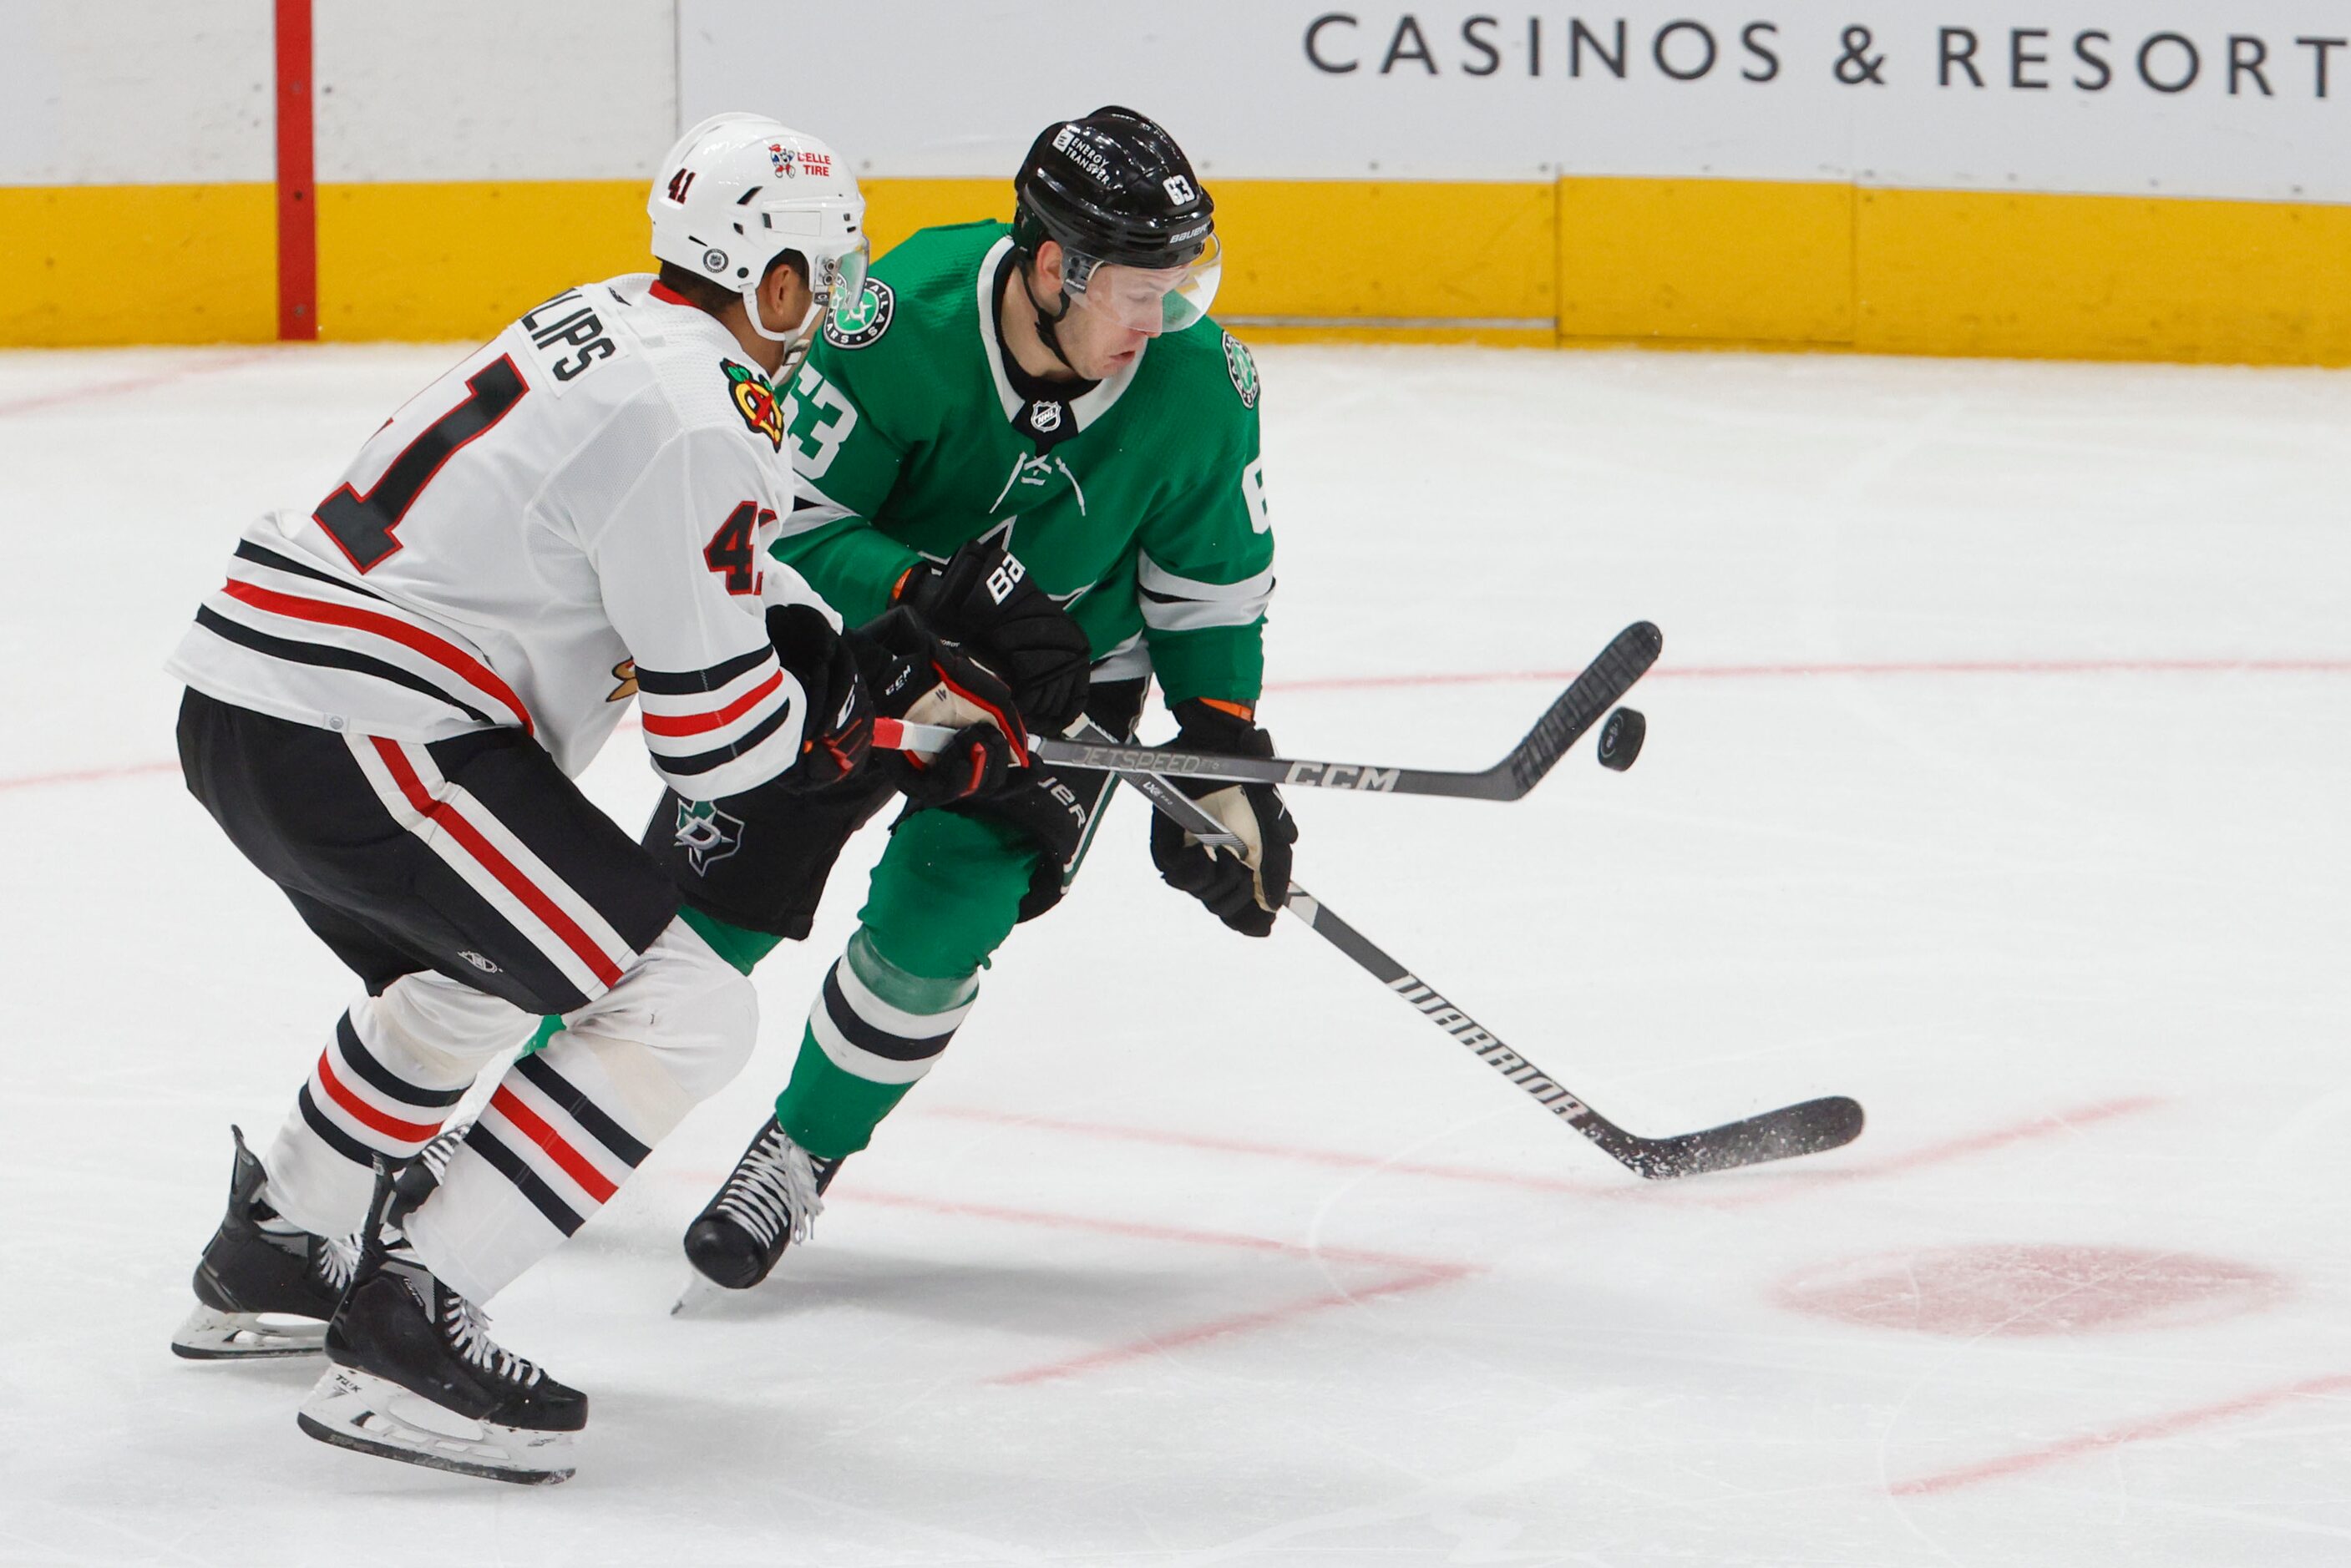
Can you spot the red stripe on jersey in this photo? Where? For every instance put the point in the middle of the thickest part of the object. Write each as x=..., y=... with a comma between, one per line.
x=575, y=1165
x=696, y=723
x=667, y=294
x=367, y=1114
x=436, y=648
x=454, y=822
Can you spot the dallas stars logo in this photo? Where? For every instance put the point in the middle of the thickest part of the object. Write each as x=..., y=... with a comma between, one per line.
x=707, y=834
x=756, y=401
x=854, y=323
x=1242, y=369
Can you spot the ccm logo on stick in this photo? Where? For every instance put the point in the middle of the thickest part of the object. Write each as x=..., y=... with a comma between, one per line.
x=1343, y=776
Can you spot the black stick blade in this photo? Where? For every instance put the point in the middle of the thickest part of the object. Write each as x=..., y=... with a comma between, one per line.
x=1585, y=703
x=1792, y=1130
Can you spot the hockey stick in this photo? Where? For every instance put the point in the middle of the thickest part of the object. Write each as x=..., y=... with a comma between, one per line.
x=1810, y=1128
x=1782, y=1134
x=1585, y=702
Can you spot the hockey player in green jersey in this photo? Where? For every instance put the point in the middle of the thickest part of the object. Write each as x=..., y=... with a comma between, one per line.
x=1034, y=439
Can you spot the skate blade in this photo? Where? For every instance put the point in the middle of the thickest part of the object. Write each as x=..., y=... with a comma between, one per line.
x=360, y=1411
x=210, y=1336
x=700, y=1290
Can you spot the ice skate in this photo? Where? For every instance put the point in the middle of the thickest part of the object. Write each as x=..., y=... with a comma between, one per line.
x=265, y=1286
x=769, y=1201
x=416, y=1377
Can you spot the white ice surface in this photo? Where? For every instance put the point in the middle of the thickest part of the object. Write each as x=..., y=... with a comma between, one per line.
x=1321, y=1290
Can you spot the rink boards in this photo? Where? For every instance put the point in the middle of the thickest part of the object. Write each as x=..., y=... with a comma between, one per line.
x=2079, y=186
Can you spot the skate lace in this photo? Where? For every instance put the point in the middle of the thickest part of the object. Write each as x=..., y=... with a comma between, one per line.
x=773, y=1190
x=467, y=1329
x=337, y=1260
x=441, y=1147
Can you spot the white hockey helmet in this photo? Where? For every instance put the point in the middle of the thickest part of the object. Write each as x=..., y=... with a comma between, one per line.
x=739, y=189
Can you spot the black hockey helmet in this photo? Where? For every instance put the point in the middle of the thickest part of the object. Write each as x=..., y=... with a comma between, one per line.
x=1114, y=190
x=1113, y=187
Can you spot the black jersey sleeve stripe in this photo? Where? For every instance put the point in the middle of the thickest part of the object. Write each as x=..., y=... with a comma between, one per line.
x=332, y=658
x=703, y=762
x=508, y=1164
x=581, y=1110
x=246, y=550
x=686, y=683
x=382, y=1079
x=330, y=1135
x=867, y=1037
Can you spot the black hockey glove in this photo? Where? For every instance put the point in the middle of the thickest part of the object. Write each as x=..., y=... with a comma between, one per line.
x=1055, y=807
x=984, y=598
x=1052, y=812
x=918, y=676
x=837, y=727
x=1245, y=889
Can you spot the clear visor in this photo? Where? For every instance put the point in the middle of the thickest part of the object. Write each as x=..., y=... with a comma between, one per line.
x=1149, y=299
x=841, y=277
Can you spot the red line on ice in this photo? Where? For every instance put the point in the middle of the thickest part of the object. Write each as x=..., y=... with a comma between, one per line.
x=1679, y=673
x=1417, y=1274
x=2148, y=1429
x=131, y=385
x=1785, y=672
x=89, y=776
x=1790, y=1182
x=1797, y=1182
x=1142, y=1231
x=1335, y=1158
x=1217, y=1328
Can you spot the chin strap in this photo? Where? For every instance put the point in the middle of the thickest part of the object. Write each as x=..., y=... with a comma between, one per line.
x=1047, y=326
x=797, y=342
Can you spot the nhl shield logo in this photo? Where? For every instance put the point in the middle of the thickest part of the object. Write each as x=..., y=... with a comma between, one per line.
x=1045, y=415
x=707, y=834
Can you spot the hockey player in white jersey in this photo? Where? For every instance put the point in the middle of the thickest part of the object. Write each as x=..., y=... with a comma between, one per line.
x=387, y=700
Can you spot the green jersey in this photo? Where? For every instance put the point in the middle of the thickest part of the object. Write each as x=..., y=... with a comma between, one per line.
x=1139, y=503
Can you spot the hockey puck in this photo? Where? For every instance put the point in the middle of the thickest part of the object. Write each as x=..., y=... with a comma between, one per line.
x=1621, y=737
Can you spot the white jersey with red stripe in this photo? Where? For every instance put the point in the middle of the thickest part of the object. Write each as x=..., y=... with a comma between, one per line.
x=577, y=515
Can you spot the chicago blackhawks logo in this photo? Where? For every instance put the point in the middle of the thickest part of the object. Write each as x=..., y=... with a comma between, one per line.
x=854, y=323
x=625, y=672
x=756, y=401
x=1242, y=369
